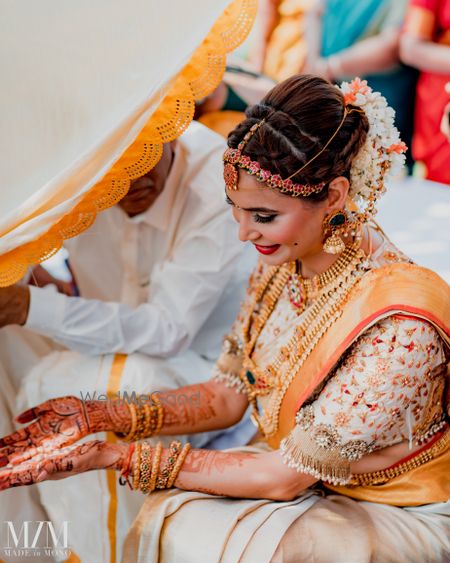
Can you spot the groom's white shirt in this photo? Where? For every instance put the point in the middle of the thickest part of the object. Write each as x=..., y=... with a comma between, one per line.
x=149, y=283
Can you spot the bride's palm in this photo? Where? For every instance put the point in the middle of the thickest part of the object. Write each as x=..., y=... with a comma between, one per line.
x=53, y=424
x=64, y=462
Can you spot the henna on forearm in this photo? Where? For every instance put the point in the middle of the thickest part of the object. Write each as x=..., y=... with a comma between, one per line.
x=233, y=474
x=208, y=461
x=189, y=413
x=200, y=408
x=241, y=475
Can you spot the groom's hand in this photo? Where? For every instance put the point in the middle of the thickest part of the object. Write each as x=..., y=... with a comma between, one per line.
x=14, y=305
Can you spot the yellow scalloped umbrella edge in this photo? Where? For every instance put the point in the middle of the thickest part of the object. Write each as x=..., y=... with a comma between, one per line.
x=198, y=78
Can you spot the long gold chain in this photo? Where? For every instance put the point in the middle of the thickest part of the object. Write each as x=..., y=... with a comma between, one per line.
x=326, y=309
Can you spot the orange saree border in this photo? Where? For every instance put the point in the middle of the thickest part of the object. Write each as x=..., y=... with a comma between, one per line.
x=394, y=289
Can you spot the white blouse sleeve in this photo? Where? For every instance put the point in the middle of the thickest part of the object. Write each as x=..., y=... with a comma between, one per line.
x=387, y=388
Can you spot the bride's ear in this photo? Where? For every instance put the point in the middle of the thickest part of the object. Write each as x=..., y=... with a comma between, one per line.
x=337, y=193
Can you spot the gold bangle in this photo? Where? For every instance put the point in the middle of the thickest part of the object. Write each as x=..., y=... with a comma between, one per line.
x=155, y=467
x=143, y=422
x=146, y=469
x=159, y=414
x=177, y=467
x=130, y=436
x=140, y=423
x=164, y=474
x=148, y=421
x=136, y=467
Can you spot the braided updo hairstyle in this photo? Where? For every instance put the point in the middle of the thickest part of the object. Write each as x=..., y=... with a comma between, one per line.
x=301, y=115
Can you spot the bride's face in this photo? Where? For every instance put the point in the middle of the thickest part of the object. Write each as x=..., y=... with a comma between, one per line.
x=281, y=227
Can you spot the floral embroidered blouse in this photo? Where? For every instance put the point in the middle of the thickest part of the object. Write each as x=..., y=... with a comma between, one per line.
x=388, y=387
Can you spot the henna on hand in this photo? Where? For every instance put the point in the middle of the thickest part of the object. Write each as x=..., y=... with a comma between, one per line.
x=58, y=423
x=64, y=463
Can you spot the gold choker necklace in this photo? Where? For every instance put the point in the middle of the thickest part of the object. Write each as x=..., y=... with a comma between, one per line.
x=303, y=289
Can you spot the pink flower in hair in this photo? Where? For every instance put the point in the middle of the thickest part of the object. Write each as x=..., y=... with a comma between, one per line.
x=399, y=148
x=357, y=86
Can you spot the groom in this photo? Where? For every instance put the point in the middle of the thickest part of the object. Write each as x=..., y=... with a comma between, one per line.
x=160, y=280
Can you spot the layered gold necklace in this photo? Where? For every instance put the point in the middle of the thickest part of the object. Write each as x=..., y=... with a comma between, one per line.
x=331, y=291
x=301, y=290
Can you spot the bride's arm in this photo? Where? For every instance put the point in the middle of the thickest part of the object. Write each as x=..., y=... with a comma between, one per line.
x=242, y=475
x=201, y=408
x=232, y=474
x=61, y=422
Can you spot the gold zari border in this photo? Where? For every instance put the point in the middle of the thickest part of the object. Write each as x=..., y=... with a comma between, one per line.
x=198, y=78
x=386, y=475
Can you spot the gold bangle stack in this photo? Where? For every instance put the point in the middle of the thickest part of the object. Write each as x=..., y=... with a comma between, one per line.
x=159, y=415
x=147, y=475
x=136, y=467
x=146, y=421
x=146, y=466
x=164, y=474
x=155, y=467
x=178, y=465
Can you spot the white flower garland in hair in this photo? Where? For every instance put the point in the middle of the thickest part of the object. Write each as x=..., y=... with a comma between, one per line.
x=382, y=152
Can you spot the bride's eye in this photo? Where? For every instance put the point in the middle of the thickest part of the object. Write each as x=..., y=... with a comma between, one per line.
x=263, y=218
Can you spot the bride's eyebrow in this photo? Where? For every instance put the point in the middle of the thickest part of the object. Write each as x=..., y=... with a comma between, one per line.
x=251, y=209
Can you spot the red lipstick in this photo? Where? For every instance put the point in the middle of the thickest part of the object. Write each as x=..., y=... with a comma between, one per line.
x=267, y=249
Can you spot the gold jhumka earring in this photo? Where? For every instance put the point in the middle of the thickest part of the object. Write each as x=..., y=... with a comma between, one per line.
x=339, y=225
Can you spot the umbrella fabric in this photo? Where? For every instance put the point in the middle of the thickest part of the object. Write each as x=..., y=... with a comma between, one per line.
x=90, y=91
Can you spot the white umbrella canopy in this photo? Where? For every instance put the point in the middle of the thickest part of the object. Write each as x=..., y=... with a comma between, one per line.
x=90, y=91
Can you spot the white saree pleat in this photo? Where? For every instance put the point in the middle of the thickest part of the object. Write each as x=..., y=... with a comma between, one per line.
x=342, y=530
x=179, y=526
x=256, y=538
x=186, y=526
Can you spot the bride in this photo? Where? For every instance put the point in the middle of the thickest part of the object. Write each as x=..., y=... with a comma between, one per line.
x=339, y=349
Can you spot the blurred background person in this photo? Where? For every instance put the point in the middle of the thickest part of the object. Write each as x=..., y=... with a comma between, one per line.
x=224, y=108
x=275, y=51
x=279, y=45
x=347, y=38
x=425, y=44
x=445, y=123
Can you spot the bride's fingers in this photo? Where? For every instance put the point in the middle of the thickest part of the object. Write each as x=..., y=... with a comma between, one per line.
x=33, y=413
x=19, y=436
x=15, y=455
x=64, y=462
x=18, y=443
x=19, y=476
x=38, y=469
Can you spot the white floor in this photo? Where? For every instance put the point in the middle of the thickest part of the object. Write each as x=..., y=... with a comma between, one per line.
x=416, y=215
